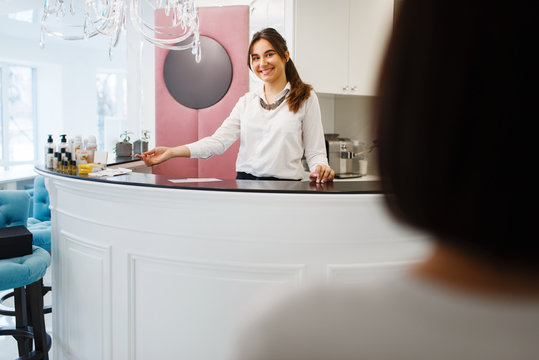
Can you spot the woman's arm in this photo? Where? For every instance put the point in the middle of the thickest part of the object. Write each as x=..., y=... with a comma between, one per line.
x=163, y=153
x=315, y=145
x=224, y=136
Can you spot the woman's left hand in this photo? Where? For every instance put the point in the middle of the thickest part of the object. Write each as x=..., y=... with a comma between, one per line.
x=322, y=174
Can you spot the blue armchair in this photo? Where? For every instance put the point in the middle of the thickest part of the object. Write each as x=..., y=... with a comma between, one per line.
x=14, y=210
x=24, y=275
x=39, y=222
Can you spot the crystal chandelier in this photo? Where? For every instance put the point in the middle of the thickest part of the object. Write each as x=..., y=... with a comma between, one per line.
x=84, y=19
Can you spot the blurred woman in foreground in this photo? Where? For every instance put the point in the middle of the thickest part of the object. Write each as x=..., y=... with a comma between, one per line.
x=452, y=119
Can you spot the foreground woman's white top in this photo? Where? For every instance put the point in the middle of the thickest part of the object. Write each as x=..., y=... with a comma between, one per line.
x=406, y=319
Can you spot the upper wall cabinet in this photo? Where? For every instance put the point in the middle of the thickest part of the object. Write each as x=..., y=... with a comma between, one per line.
x=339, y=44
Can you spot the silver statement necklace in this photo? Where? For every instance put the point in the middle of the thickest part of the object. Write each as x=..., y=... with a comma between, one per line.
x=275, y=103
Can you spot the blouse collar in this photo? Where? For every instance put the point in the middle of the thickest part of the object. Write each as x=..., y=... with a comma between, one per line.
x=260, y=91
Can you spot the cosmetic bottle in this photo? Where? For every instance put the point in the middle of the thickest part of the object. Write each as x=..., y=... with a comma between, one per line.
x=63, y=143
x=55, y=161
x=49, y=163
x=49, y=145
x=59, y=162
x=72, y=167
x=82, y=157
x=91, y=147
x=77, y=144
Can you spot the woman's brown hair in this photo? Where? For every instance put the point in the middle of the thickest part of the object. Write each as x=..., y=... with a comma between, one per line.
x=299, y=91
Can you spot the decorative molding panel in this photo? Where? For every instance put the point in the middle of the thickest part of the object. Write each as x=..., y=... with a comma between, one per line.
x=86, y=301
x=204, y=303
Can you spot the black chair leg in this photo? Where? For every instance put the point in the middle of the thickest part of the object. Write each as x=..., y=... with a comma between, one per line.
x=4, y=310
x=11, y=312
x=48, y=308
x=34, y=296
x=24, y=343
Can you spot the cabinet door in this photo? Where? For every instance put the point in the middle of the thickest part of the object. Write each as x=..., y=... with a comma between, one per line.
x=370, y=26
x=321, y=43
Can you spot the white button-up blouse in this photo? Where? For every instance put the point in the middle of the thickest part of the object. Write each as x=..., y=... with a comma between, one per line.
x=272, y=142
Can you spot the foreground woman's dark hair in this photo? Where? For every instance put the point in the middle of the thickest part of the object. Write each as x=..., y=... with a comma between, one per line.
x=455, y=126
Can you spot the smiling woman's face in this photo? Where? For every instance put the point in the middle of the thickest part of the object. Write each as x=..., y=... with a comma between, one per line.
x=266, y=62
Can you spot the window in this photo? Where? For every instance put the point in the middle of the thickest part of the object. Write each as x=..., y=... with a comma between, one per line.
x=111, y=108
x=28, y=16
x=17, y=115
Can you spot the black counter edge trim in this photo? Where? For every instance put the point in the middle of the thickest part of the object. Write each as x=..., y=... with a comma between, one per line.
x=106, y=180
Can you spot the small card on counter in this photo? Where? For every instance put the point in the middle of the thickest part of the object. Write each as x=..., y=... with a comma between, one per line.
x=194, y=180
x=110, y=172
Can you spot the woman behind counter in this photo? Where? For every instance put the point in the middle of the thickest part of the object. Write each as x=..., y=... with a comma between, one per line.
x=277, y=124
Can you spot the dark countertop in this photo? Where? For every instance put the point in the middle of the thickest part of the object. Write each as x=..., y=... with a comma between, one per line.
x=162, y=181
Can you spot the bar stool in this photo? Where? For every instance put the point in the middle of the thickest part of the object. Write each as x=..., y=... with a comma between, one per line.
x=25, y=275
x=39, y=222
x=14, y=205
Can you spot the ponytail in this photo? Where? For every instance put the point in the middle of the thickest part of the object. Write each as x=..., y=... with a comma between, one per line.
x=299, y=91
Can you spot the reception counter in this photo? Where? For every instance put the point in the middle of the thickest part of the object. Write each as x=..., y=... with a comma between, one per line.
x=147, y=268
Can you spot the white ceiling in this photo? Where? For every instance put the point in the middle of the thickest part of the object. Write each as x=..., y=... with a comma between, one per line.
x=12, y=6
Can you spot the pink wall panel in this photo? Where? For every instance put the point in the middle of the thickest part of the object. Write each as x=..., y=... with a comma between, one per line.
x=177, y=124
x=235, y=19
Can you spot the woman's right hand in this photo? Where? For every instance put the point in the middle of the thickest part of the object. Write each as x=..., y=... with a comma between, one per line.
x=156, y=155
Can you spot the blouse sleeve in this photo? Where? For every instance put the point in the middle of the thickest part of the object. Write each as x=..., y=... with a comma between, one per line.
x=222, y=138
x=313, y=134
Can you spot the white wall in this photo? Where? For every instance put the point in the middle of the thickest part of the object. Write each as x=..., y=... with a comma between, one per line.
x=351, y=117
x=354, y=119
x=327, y=109
x=66, y=91
x=66, y=77
x=140, y=85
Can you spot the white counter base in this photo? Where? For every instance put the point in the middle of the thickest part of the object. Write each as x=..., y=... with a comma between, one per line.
x=155, y=273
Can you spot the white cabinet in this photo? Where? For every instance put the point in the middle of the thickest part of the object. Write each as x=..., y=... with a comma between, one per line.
x=339, y=44
x=321, y=43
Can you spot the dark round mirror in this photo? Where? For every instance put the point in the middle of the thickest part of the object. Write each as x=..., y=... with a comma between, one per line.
x=201, y=85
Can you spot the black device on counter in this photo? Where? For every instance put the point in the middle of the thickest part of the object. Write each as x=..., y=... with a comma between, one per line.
x=15, y=241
